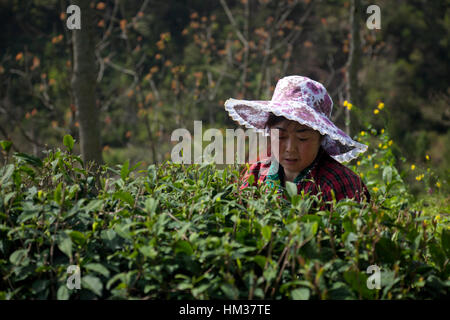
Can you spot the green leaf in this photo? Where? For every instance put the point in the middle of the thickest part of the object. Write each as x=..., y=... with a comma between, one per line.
x=99, y=268
x=387, y=174
x=7, y=173
x=300, y=294
x=65, y=244
x=8, y=197
x=150, y=205
x=92, y=283
x=251, y=180
x=230, y=291
x=183, y=246
x=148, y=251
x=108, y=235
x=123, y=230
x=27, y=215
x=260, y=261
x=311, y=229
x=28, y=159
x=63, y=293
x=19, y=257
x=93, y=206
x=291, y=188
x=77, y=237
x=110, y=239
x=68, y=141
x=124, y=171
x=266, y=232
x=119, y=276
x=58, y=194
x=124, y=196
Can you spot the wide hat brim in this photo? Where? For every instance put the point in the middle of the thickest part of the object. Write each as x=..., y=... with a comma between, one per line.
x=253, y=114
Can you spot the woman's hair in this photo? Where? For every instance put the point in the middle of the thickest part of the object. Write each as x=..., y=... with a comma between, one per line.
x=274, y=119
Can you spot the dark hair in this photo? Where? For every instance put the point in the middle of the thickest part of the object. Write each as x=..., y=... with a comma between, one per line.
x=273, y=120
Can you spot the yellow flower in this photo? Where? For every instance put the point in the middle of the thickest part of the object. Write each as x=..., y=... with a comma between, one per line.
x=369, y=157
x=349, y=106
x=438, y=184
x=379, y=145
x=376, y=166
x=413, y=167
x=390, y=142
x=345, y=103
x=381, y=105
x=358, y=163
x=437, y=218
x=363, y=133
x=361, y=175
x=376, y=111
x=382, y=131
x=375, y=189
x=427, y=157
x=419, y=177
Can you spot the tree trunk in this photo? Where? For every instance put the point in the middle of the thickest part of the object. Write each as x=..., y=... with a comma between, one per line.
x=83, y=86
x=354, y=61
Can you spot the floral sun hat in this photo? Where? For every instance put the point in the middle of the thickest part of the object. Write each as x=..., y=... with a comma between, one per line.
x=302, y=100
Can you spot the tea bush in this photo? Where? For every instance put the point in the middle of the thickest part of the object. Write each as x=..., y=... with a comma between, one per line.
x=187, y=232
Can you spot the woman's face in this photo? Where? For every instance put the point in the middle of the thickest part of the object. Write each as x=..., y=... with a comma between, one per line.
x=298, y=145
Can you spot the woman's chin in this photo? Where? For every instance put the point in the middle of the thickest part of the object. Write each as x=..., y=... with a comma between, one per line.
x=291, y=165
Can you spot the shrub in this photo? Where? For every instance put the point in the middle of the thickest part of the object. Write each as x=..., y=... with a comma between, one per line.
x=187, y=232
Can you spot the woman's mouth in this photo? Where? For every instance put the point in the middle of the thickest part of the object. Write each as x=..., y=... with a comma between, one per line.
x=290, y=160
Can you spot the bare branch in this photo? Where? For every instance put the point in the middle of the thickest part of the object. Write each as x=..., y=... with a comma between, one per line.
x=233, y=22
x=295, y=34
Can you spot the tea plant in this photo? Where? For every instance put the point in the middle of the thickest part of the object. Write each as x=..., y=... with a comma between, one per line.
x=187, y=232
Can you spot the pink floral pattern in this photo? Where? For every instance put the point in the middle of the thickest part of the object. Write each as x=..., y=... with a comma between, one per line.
x=305, y=101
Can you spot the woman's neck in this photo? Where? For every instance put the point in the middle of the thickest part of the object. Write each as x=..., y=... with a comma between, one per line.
x=290, y=175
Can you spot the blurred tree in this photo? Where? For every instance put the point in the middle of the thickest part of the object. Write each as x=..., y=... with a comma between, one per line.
x=354, y=61
x=84, y=83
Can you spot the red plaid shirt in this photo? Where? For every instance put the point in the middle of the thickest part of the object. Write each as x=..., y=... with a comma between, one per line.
x=324, y=174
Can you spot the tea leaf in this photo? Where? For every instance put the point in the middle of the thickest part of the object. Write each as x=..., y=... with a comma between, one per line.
x=300, y=294
x=68, y=142
x=92, y=283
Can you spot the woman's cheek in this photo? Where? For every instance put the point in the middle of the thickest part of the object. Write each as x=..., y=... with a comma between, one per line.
x=276, y=148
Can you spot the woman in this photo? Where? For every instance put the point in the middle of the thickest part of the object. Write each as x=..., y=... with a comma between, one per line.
x=310, y=148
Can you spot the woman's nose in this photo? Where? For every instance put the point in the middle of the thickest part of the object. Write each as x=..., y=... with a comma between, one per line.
x=289, y=145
